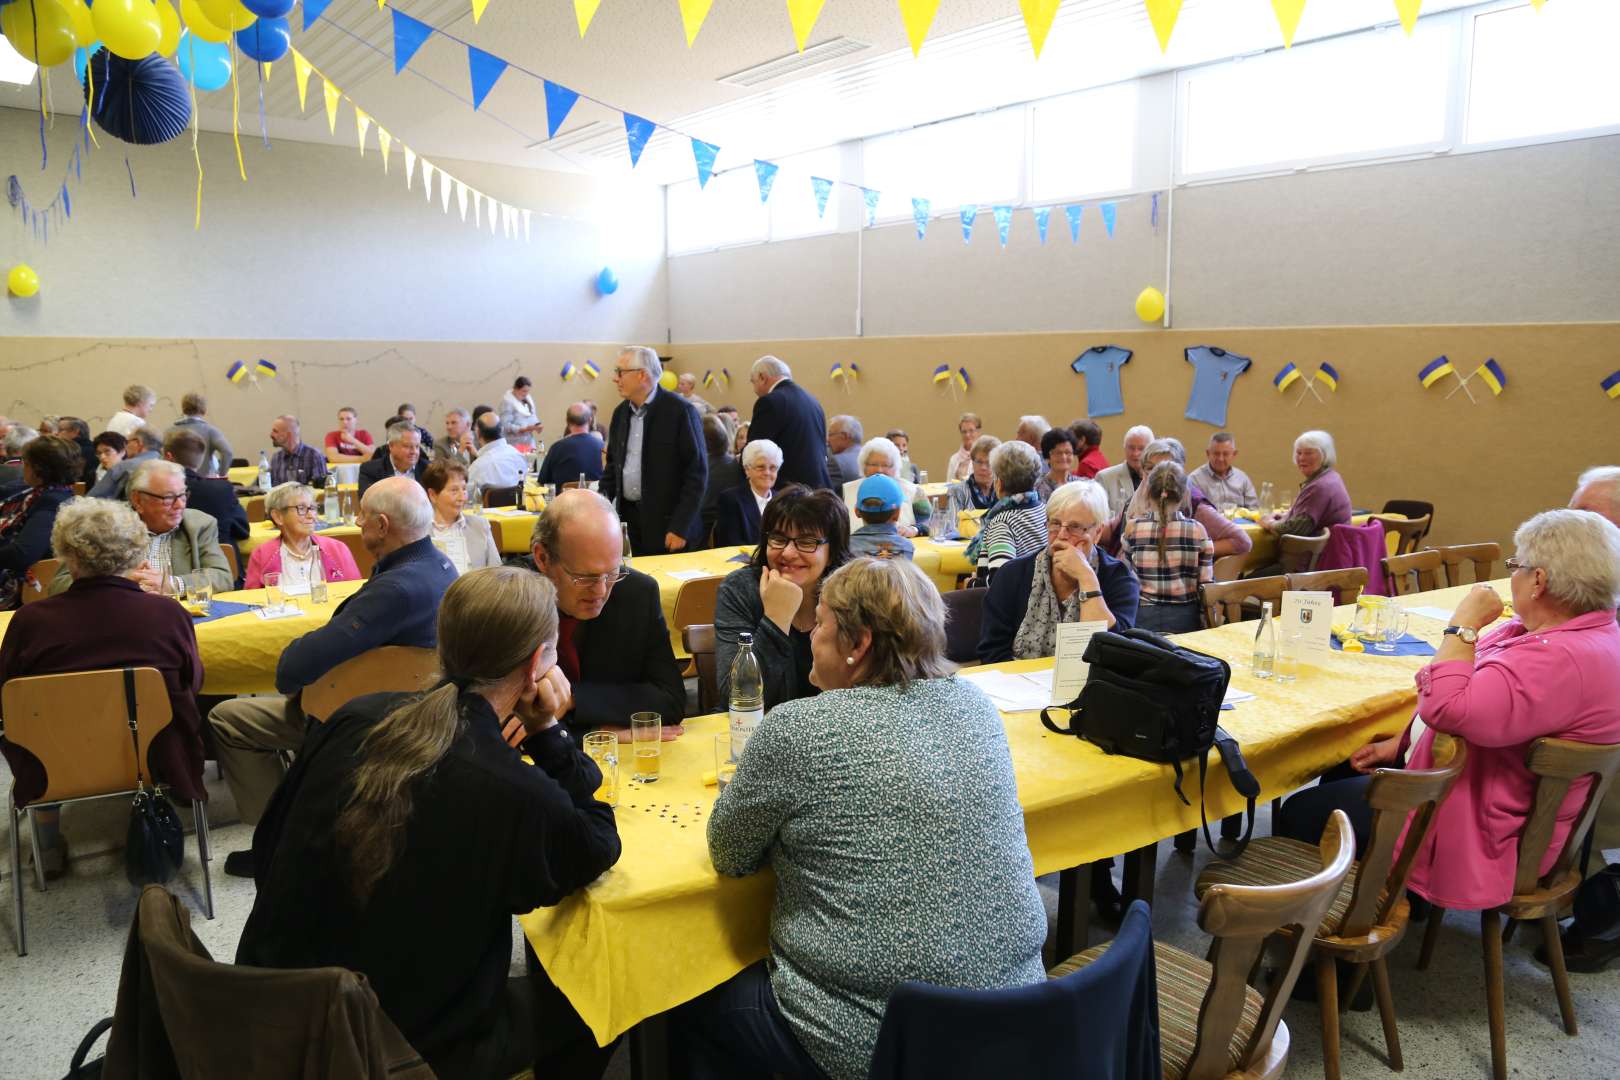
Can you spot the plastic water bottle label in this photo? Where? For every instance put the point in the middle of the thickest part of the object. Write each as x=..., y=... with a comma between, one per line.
x=743, y=724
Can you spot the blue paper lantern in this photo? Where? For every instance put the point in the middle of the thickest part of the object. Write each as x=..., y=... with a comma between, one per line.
x=207, y=64
x=139, y=101
x=607, y=282
x=269, y=9
x=266, y=41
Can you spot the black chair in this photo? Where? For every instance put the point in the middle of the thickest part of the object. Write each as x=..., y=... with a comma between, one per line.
x=1412, y=508
x=502, y=496
x=964, y=617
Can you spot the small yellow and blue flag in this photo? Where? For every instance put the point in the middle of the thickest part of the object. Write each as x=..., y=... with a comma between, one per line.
x=1328, y=376
x=1611, y=385
x=962, y=379
x=1491, y=373
x=236, y=372
x=853, y=372
x=591, y=370
x=942, y=373
x=837, y=371
x=1434, y=371
x=708, y=378
x=725, y=377
x=569, y=371
x=1286, y=377
x=265, y=368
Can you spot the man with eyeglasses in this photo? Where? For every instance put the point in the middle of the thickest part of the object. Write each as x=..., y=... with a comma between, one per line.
x=612, y=641
x=657, y=468
x=181, y=540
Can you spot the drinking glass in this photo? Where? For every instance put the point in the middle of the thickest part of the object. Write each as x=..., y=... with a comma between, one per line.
x=1227, y=507
x=1392, y=623
x=725, y=765
x=1365, y=623
x=647, y=745
x=603, y=748
x=624, y=531
x=200, y=591
x=1289, y=645
x=274, y=598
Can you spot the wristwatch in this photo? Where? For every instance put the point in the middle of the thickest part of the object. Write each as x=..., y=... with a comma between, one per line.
x=1467, y=633
x=1093, y=595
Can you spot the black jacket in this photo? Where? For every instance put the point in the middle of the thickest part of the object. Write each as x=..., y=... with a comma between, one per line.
x=1007, y=601
x=489, y=837
x=381, y=468
x=217, y=499
x=736, y=517
x=725, y=473
x=674, y=470
x=30, y=540
x=626, y=663
x=793, y=420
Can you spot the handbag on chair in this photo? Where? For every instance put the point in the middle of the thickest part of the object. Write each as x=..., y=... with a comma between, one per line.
x=155, y=845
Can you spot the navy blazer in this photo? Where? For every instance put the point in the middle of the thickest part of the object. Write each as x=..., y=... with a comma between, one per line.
x=793, y=420
x=1008, y=601
x=674, y=470
x=737, y=518
x=31, y=541
x=381, y=468
x=217, y=499
x=570, y=456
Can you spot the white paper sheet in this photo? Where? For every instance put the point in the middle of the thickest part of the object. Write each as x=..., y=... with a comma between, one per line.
x=1236, y=697
x=1070, y=671
x=689, y=575
x=1014, y=693
x=1435, y=613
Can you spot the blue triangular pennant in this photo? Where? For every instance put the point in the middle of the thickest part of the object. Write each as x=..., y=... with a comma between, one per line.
x=409, y=34
x=919, y=214
x=704, y=153
x=559, y=99
x=637, y=130
x=766, y=172
x=822, y=188
x=486, y=70
x=1073, y=213
x=1109, y=210
x=1003, y=216
x=968, y=214
x=314, y=9
x=871, y=199
x=1153, y=216
x=1043, y=214
x=67, y=203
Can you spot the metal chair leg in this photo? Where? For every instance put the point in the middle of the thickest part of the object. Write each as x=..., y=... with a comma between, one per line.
x=199, y=811
x=17, y=878
x=33, y=838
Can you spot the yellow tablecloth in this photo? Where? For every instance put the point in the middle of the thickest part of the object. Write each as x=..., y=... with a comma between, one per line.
x=243, y=475
x=662, y=927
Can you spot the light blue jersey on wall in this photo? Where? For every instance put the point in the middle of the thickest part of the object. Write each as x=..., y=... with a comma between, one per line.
x=1214, y=373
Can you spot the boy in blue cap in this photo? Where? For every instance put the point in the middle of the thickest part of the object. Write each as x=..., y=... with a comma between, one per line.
x=878, y=502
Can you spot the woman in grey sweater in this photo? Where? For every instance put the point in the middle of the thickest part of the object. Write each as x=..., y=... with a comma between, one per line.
x=888, y=810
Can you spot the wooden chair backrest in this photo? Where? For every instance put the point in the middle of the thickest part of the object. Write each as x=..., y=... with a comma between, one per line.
x=1394, y=794
x=699, y=641
x=78, y=488
x=44, y=571
x=1412, y=508
x=391, y=667
x=502, y=496
x=77, y=725
x=1347, y=582
x=1242, y=918
x=1414, y=573
x=364, y=560
x=255, y=509
x=1222, y=601
x=231, y=561
x=1483, y=556
x=1408, y=531
x=1228, y=567
x=1557, y=763
x=1298, y=554
x=695, y=602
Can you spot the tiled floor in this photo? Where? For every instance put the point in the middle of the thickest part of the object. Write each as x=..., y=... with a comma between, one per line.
x=77, y=931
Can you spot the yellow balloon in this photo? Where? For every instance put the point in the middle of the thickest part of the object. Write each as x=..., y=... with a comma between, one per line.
x=47, y=42
x=198, y=23
x=84, y=27
x=171, y=27
x=22, y=281
x=668, y=380
x=1150, y=305
x=228, y=13
x=129, y=28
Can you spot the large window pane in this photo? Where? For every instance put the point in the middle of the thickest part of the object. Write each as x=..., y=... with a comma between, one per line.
x=974, y=161
x=1085, y=144
x=726, y=211
x=1537, y=73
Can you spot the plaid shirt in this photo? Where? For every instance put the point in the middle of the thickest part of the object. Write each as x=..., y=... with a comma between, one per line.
x=1189, y=557
x=305, y=465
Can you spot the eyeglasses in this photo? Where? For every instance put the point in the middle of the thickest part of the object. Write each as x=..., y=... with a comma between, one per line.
x=1073, y=527
x=806, y=545
x=621, y=372
x=1515, y=564
x=301, y=509
x=591, y=581
x=166, y=500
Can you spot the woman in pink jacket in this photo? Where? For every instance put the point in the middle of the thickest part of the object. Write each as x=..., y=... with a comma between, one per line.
x=291, y=507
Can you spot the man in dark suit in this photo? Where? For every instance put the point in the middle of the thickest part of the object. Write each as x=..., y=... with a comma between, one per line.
x=578, y=453
x=793, y=420
x=77, y=432
x=612, y=641
x=656, y=467
x=216, y=498
x=404, y=457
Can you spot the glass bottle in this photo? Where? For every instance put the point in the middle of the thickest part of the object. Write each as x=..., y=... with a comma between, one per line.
x=317, y=574
x=1265, y=645
x=264, y=471
x=747, y=707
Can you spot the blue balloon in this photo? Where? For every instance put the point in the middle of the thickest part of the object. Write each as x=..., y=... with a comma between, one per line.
x=268, y=9
x=81, y=56
x=206, y=64
x=266, y=41
x=607, y=281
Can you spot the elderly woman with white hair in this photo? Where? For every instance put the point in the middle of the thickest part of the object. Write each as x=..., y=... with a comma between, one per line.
x=104, y=619
x=1015, y=525
x=881, y=455
x=1070, y=578
x=739, y=510
x=293, y=509
x=1322, y=501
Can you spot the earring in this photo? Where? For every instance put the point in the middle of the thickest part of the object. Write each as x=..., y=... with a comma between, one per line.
x=850, y=660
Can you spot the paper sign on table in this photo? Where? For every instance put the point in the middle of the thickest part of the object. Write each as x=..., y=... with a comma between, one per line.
x=1070, y=671
x=286, y=611
x=1435, y=613
x=689, y=575
x=1010, y=692
x=1310, y=615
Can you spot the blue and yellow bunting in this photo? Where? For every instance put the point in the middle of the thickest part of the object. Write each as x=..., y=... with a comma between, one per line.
x=1492, y=375
x=969, y=213
x=871, y=198
x=1611, y=385
x=559, y=100
x=1003, y=216
x=1073, y=214
x=1328, y=376
x=822, y=189
x=637, y=130
x=704, y=154
x=485, y=70
x=409, y=34
x=1043, y=216
x=1434, y=371
x=237, y=371
x=1286, y=377
x=919, y=215
x=766, y=172
x=265, y=368
x=1110, y=212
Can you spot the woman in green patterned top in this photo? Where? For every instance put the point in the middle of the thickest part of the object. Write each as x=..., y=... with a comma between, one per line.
x=887, y=808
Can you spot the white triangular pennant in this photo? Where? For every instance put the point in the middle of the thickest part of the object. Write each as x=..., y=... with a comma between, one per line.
x=461, y=198
x=427, y=179
x=444, y=189
x=478, y=209
x=526, y=216
x=384, y=142
x=410, y=166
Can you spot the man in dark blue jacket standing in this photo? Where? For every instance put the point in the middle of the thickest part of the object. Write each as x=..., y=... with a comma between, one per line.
x=787, y=415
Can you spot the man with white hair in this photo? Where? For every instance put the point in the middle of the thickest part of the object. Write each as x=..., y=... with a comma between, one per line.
x=1598, y=490
x=398, y=605
x=1030, y=430
x=844, y=438
x=657, y=467
x=788, y=416
x=1120, y=481
x=401, y=456
x=686, y=388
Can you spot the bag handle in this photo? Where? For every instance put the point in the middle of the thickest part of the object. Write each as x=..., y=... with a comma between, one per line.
x=1237, y=770
x=129, y=709
x=1072, y=708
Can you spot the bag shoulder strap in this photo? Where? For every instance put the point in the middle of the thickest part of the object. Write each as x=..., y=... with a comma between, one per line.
x=129, y=709
x=1237, y=770
x=1073, y=707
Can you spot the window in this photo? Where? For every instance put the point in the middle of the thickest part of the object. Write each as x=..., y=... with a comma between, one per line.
x=1085, y=144
x=974, y=161
x=1371, y=94
x=1539, y=73
x=793, y=202
x=727, y=211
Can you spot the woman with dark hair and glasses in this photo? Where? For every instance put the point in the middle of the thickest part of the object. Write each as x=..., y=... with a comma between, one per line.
x=804, y=536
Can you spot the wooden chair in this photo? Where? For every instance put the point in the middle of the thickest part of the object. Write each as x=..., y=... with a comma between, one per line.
x=964, y=619
x=1408, y=532
x=502, y=496
x=1345, y=584
x=255, y=509
x=391, y=667
x=234, y=562
x=1369, y=916
x=79, y=488
x=43, y=572
x=1411, y=508
x=1237, y=1030
x=1557, y=764
x=1414, y=573
x=1223, y=601
x=1228, y=567
x=364, y=560
x=1298, y=554
x=77, y=725
x=1483, y=556
x=694, y=606
x=699, y=642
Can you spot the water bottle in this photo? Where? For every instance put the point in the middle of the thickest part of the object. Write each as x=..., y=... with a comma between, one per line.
x=317, y=576
x=747, y=695
x=264, y=471
x=1265, y=645
x=331, y=505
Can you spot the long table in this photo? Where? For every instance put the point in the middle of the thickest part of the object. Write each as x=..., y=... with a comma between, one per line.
x=661, y=927
x=511, y=528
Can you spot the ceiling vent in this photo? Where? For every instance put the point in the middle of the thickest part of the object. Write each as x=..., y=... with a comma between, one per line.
x=795, y=62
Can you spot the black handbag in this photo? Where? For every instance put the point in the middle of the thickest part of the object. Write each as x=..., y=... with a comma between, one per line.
x=1148, y=698
x=155, y=845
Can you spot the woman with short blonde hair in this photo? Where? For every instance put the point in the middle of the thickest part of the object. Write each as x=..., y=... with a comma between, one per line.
x=294, y=509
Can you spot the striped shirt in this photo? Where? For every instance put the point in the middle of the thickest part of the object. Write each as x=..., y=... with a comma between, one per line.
x=1011, y=534
x=1189, y=557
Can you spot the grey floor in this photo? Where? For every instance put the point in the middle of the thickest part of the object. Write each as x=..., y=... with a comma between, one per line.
x=77, y=930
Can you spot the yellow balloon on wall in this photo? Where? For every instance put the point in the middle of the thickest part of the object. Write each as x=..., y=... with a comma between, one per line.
x=198, y=22
x=228, y=13
x=668, y=380
x=1150, y=305
x=84, y=27
x=22, y=281
x=48, y=41
x=171, y=27
x=129, y=28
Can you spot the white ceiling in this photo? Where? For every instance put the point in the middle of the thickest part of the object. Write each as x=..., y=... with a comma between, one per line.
x=635, y=57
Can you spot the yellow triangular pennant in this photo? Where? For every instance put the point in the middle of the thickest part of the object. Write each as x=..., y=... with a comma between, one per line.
x=1038, y=21
x=803, y=14
x=1288, y=13
x=1538, y=3
x=693, y=12
x=410, y=166
x=461, y=198
x=332, y=95
x=266, y=67
x=302, y=69
x=478, y=7
x=585, y=11
x=918, y=15
x=384, y=141
x=1409, y=13
x=1164, y=14
x=362, y=122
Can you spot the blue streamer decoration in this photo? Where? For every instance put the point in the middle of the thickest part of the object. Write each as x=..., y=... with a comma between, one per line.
x=559, y=100
x=1043, y=215
x=968, y=214
x=919, y=214
x=1109, y=211
x=409, y=34
x=704, y=153
x=765, y=172
x=485, y=70
x=1153, y=214
x=1003, y=216
x=871, y=198
x=822, y=188
x=1073, y=214
x=637, y=130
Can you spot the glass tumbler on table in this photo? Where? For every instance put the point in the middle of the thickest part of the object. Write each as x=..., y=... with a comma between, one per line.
x=274, y=598
x=602, y=747
x=1392, y=624
x=200, y=591
x=725, y=765
x=1290, y=645
x=647, y=746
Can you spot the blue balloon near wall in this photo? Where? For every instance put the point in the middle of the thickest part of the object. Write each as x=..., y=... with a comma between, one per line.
x=207, y=64
x=81, y=55
x=268, y=9
x=607, y=282
x=266, y=41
